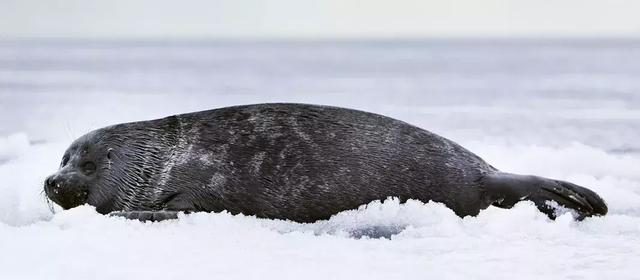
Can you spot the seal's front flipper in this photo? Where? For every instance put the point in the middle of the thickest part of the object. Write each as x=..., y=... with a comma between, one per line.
x=143, y=216
x=504, y=190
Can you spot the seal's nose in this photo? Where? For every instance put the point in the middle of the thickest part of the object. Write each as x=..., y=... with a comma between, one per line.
x=66, y=190
x=51, y=184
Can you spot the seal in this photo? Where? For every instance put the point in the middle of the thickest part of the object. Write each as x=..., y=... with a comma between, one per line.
x=288, y=161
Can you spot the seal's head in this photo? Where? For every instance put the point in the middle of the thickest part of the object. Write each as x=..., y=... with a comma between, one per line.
x=82, y=166
x=113, y=168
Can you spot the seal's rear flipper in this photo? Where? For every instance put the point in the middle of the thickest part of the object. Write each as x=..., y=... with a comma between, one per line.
x=504, y=190
x=143, y=216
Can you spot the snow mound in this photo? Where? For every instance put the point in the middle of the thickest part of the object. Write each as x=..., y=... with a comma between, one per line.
x=12, y=146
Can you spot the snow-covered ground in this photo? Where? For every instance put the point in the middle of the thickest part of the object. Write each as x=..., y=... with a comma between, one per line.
x=567, y=110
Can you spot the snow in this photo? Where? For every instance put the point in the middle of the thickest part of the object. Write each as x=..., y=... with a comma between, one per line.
x=510, y=103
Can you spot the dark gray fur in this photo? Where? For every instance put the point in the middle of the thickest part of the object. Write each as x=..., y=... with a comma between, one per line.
x=287, y=161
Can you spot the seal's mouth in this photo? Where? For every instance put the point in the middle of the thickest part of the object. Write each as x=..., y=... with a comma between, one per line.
x=69, y=200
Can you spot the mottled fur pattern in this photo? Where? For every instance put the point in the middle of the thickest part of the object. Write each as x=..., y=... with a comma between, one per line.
x=285, y=161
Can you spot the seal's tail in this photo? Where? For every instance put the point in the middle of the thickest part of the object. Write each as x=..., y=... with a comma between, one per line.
x=504, y=190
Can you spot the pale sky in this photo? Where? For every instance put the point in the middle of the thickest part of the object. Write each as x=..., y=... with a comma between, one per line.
x=202, y=19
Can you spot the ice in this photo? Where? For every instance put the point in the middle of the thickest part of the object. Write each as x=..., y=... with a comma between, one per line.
x=567, y=111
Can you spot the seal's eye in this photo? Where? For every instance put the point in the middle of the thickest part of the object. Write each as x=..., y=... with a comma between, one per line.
x=89, y=167
x=65, y=160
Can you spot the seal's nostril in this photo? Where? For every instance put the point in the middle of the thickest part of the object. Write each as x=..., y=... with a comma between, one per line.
x=50, y=182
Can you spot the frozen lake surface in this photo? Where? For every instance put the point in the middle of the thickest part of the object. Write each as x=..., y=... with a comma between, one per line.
x=563, y=109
